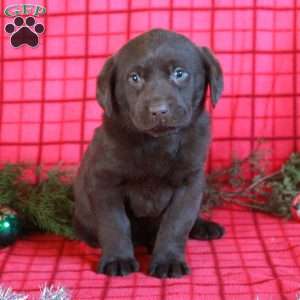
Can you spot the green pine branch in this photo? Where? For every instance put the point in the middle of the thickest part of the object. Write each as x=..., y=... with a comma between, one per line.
x=271, y=193
x=46, y=206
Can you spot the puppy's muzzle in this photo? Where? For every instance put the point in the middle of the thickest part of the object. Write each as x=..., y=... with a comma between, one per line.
x=160, y=115
x=159, y=112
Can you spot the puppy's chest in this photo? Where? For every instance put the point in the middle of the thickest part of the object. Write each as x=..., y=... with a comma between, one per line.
x=154, y=161
x=148, y=197
x=148, y=190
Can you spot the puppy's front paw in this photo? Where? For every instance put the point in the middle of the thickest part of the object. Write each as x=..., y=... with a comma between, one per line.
x=172, y=268
x=118, y=267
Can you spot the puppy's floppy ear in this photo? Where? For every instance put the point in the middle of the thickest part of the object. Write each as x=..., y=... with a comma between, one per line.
x=105, y=87
x=214, y=74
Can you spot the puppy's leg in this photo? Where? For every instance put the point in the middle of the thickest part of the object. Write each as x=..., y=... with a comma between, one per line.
x=168, y=254
x=206, y=230
x=85, y=233
x=113, y=233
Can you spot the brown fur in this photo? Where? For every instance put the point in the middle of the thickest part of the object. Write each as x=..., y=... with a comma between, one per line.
x=141, y=179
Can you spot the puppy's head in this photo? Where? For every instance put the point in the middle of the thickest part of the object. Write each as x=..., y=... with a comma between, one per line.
x=157, y=81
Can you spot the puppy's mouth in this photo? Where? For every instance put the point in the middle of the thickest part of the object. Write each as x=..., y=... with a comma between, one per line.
x=162, y=130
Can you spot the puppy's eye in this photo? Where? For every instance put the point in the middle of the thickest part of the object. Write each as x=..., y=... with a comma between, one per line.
x=179, y=74
x=134, y=77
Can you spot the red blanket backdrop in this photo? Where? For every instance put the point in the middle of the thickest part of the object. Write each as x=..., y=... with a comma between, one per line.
x=47, y=104
x=48, y=113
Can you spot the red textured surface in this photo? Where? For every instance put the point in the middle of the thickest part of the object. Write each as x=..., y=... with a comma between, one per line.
x=48, y=113
x=47, y=103
x=259, y=258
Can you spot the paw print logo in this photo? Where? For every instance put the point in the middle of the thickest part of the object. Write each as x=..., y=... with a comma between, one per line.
x=24, y=33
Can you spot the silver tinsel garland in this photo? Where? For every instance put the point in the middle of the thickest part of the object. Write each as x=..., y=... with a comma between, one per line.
x=54, y=293
x=8, y=294
x=47, y=293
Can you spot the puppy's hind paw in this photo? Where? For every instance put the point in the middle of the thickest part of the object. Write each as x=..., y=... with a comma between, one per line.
x=206, y=230
x=118, y=267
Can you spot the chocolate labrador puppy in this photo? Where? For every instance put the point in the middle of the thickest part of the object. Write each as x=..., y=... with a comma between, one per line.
x=142, y=177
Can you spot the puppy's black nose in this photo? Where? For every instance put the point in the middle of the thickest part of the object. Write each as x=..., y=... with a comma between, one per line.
x=159, y=110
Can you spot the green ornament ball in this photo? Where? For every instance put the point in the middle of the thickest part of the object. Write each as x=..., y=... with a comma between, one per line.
x=9, y=226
